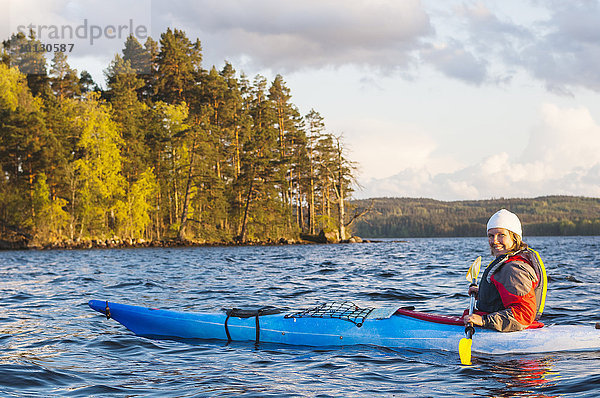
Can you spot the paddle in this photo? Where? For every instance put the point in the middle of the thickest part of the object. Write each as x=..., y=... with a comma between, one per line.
x=464, y=346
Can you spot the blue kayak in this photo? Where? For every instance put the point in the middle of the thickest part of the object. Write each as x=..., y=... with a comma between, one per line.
x=342, y=324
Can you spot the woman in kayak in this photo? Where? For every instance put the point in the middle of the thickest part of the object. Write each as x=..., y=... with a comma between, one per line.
x=512, y=290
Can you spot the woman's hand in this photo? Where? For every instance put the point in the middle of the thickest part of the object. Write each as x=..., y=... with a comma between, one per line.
x=473, y=290
x=474, y=319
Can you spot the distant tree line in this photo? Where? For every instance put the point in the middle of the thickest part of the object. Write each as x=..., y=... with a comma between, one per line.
x=543, y=216
x=168, y=150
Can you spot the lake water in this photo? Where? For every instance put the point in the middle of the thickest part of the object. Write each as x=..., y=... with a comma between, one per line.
x=53, y=344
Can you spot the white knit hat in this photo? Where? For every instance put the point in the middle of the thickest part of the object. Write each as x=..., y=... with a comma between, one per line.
x=507, y=220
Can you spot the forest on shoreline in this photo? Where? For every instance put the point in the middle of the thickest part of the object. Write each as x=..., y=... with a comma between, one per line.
x=169, y=153
x=173, y=154
x=419, y=217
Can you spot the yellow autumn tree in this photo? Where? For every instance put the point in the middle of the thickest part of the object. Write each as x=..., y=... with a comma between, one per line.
x=134, y=213
x=98, y=170
x=50, y=218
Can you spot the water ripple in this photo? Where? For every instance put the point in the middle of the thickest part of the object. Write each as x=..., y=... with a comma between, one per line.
x=51, y=344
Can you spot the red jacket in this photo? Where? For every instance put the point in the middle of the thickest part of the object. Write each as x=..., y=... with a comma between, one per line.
x=507, y=293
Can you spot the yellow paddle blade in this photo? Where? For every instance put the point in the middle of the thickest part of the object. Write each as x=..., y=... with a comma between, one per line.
x=474, y=270
x=464, y=350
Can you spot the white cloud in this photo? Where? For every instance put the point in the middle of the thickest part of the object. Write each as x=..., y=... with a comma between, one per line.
x=408, y=183
x=495, y=164
x=562, y=156
x=565, y=137
x=564, y=49
x=291, y=36
x=476, y=42
x=455, y=61
x=556, y=42
x=382, y=148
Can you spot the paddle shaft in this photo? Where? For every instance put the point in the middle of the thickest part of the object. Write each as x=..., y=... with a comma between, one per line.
x=469, y=329
x=464, y=345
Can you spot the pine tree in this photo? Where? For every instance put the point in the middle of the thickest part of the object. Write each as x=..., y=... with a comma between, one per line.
x=325, y=160
x=26, y=53
x=150, y=78
x=24, y=139
x=86, y=83
x=315, y=127
x=286, y=123
x=211, y=140
x=179, y=63
x=129, y=113
x=142, y=60
x=337, y=178
x=237, y=120
x=138, y=57
x=170, y=155
x=63, y=79
x=260, y=164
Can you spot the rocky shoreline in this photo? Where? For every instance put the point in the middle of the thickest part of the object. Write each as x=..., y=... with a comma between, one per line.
x=115, y=243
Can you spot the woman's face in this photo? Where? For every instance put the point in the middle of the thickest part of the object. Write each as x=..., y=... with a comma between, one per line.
x=500, y=241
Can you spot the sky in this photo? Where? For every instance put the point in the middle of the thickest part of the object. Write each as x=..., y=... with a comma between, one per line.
x=451, y=100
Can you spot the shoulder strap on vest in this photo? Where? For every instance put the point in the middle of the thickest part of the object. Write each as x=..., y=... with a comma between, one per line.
x=493, y=267
x=540, y=270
